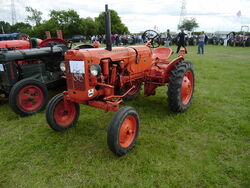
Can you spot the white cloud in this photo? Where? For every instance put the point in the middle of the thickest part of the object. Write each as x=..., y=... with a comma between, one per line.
x=145, y=14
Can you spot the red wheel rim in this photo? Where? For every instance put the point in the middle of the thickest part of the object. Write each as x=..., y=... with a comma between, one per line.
x=30, y=98
x=64, y=113
x=127, y=131
x=187, y=87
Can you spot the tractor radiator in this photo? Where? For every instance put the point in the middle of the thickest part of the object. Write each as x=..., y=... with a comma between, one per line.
x=74, y=81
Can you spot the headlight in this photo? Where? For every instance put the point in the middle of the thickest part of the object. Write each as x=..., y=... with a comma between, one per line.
x=95, y=69
x=62, y=66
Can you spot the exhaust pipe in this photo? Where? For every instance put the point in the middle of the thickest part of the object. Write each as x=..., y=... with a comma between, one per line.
x=108, y=29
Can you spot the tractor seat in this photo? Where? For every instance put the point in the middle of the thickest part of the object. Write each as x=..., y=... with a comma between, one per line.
x=161, y=53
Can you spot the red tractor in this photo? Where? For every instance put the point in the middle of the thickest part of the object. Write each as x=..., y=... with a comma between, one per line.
x=24, y=42
x=104, y=77
x=27, y=73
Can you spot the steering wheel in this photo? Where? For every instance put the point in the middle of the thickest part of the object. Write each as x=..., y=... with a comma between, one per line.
x=153, y=37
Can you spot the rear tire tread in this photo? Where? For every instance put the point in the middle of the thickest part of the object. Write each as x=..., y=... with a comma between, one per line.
x=174, y=86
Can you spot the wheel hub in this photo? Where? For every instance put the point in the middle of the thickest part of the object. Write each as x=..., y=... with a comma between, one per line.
x=187, y=87
x=30, y=98
x=127, y=131
x=63, y=116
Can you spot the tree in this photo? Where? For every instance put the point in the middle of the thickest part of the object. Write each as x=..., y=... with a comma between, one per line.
x=68, y=21
x=71, y=24
x=89, y=26
x=4, y=27
x=35, y=15
x=117, y=27
x=188, y=24
x=21, y=27
x=48, y=25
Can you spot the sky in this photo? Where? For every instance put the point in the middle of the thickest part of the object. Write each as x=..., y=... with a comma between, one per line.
x=140, y=15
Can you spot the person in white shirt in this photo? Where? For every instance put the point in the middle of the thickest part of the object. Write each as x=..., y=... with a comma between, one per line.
x=201, y=43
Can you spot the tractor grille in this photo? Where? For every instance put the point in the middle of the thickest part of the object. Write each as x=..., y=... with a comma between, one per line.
x=74, y=81
x=69, y=81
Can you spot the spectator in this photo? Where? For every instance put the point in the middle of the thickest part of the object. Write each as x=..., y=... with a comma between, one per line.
x=201, y=43
x=140, y=38
x=206, y=39
x=168, y=39
x=93, y=39
x=125, y=39
x=181, y=41
x=117, y=40
x=113, y=39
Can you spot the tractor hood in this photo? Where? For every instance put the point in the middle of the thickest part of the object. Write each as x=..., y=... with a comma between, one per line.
x=95, y=55
x=15, y=44
x=26, y=54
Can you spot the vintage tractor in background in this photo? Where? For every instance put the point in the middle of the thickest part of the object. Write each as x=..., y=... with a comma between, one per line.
x=17, y=41
x=26, y=74
x=25, y=42
x=13, y=36
x=104, y=77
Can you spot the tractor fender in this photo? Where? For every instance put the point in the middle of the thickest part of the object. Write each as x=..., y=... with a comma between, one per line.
x=52, y=42
x=173, y=63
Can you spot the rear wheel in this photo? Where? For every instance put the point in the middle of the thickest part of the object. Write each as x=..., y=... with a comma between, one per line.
x=123, y=131
x=28, y=96
x=61, y=114
x=181, y=87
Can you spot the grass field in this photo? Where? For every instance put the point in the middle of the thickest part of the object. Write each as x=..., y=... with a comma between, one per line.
x=207, y=146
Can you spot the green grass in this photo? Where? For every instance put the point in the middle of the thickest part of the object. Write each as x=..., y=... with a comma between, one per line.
x=207, y=146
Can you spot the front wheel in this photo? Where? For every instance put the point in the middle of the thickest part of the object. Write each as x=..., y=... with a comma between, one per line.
x=181, y=87
x=123, y=131
x=61, y=114
x=28, y=96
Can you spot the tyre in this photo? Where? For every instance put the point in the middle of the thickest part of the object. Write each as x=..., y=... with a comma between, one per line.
x=133, y=93
x=28, y=96
x=123, y=131
x=181, y=87
x=61, y=115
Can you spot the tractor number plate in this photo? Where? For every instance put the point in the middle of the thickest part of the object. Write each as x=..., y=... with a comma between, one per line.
x=77, y=67
x=1, y=67
x=90, y=92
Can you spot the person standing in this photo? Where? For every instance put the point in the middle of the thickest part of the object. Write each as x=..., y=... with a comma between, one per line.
x=202, y=37
x=168, y=39
x=117, y=40
x=181, y=41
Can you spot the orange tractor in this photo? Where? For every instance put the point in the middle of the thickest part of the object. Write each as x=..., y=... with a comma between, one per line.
x=104, y=77
x=20, y=41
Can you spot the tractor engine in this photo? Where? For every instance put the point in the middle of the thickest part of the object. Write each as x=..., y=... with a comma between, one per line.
x=97, y=73
x=42, y=64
